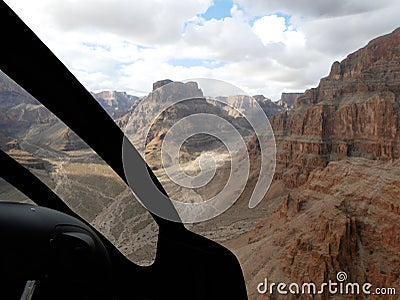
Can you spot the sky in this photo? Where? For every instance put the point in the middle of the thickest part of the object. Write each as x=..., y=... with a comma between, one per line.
x=263, y=47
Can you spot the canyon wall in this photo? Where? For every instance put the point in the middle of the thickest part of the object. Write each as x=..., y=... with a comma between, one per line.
x=354, y=112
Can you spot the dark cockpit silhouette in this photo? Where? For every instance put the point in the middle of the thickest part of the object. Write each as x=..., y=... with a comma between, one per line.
x=48, y=251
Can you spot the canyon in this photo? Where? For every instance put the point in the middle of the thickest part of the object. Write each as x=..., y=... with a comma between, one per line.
x=333, y=205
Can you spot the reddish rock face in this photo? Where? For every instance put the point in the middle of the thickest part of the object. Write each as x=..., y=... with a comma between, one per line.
x=338, y=153
x=353, y=112
x=343, y=219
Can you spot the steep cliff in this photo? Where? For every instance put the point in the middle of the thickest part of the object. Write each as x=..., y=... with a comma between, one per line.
x=343, y=219
x=353, y=112
x=338, y=156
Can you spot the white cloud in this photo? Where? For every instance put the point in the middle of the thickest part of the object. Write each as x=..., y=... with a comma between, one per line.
x=147, y=22
x=129, y=44
x=270, y=29
x=230, y=39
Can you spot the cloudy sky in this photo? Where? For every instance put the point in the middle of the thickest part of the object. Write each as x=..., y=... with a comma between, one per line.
x=264, y=47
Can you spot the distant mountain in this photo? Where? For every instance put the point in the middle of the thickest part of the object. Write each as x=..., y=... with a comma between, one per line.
x=117, y=104
x=146, y=114
x=289, y=100
x=269, y=107
x=245, y=104
x=18, y=110
x=27, y=121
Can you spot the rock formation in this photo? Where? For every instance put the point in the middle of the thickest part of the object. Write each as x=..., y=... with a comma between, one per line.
x=289, y=100
x=4, y=140
x=161, y=83
x=353, y=112
x=151, y=112
x=26, y=159
x=337, y=152
x=345, y=218
x=117, y=104
x=269, y=107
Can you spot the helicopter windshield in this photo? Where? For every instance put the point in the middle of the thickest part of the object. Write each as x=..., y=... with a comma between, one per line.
x=43, y=144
